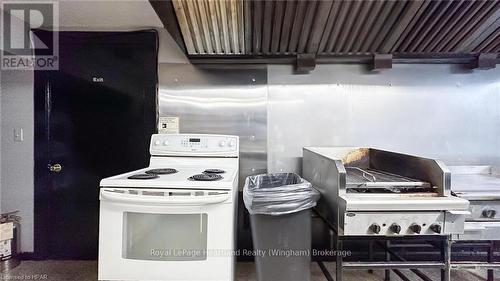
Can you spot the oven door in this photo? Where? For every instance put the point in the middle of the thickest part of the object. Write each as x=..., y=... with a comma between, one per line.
x=148, y=234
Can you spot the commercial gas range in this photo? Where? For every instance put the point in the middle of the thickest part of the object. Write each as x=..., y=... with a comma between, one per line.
x=481, y=186
x=371, y=192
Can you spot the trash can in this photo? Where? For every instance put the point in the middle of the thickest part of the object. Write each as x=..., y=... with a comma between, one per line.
x=9, y=230
x=280, y=217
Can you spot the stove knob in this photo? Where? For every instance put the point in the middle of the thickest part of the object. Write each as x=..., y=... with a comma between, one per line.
x=157, y=142
x=396, y=228
x=436, y=228
x=489, y=213
x=165, y=143
x=416, y=228
x=222, y=143
x=231, y=143
x=375, y=228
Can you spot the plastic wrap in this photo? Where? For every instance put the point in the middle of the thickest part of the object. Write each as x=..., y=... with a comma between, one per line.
x=278, y=194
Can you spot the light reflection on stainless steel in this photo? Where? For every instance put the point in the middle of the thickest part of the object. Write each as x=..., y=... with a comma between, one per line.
x=220, y=101
x=217, y=102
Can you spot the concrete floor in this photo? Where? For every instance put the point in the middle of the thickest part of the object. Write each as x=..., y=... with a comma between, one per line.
x=87, y=271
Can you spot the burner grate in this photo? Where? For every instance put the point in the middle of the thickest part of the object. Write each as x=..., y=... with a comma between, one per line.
x=143, y=176
x=205, y=177
x=163, y=171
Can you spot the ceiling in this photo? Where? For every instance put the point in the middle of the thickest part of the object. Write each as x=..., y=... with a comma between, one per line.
x=273, y=29
x=107, y=15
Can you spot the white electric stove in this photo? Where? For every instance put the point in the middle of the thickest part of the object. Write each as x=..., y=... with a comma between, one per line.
x=174, y=220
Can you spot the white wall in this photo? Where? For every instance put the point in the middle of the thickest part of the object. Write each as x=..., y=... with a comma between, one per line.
x=16, y=94
x=119, y=15
x=16, y=158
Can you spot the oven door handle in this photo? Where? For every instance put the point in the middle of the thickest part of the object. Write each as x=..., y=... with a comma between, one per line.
x=163, y=200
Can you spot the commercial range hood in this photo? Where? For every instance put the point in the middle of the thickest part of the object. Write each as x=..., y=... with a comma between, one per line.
x=280, y=29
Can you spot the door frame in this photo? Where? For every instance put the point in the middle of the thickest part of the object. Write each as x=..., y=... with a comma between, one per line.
x=42, y=183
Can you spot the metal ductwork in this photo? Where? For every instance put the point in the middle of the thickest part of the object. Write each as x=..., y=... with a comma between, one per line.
x=211, y=26
x=332, y=28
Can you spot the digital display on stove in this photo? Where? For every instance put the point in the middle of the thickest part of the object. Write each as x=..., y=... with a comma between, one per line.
x=194, y=140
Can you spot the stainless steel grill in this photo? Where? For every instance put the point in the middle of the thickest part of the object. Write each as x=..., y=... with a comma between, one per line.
x=367, y=191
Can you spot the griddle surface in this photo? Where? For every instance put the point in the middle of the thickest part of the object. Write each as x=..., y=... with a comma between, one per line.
x=476, y=183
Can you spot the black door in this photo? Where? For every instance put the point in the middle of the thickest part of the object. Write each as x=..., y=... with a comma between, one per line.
x=93, y=119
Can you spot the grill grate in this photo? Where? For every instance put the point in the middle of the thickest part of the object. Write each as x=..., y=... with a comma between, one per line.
x=360, y=179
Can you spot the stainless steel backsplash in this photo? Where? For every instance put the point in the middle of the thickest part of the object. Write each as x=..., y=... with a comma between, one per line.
x=215, y=100
x=439, y=111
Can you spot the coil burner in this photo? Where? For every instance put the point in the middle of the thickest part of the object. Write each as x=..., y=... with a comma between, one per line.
x=162, y=171
x=143, y=176
x=205, y=177
x=214, y=171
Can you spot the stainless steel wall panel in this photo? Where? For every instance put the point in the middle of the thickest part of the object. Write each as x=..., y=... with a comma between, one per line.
x=436, y=111
x=220, y=101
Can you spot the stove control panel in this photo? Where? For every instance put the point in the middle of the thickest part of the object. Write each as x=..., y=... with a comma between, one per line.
x=194, y=145
x=398, y=223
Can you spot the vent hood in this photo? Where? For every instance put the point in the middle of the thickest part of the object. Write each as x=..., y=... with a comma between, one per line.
x=276, y=29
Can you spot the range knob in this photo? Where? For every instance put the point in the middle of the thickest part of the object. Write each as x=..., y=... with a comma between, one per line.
x=222, y=143
x=375, y=228
x=231, y=143
x=489, y=213
x=157, y=142
x=396, y=228
x=436, y=228
x=415, y=228
x=165, y=143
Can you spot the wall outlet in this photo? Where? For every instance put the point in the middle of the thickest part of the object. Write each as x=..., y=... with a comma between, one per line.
x=18, y=134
